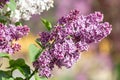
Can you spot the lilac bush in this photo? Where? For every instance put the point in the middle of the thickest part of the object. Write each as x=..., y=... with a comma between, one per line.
x=72, y=35
x=61, y=45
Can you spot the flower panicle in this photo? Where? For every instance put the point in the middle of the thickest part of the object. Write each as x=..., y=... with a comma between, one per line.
x=9, y=34
x=72, y=35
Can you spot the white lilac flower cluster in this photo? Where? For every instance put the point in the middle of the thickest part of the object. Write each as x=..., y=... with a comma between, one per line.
x=26, y=8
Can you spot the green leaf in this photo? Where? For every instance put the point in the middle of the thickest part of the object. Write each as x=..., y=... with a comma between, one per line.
x=19, y=78
x=39, y=43
x=34, y=52
x=4, y=55
x=117, y=69
x=18, y=23
x=38, y=77
x=47, y=24
x=7, y=14
x=12, y=5
x=7, y=79
x=5, y=75
x=21, y=66
x=3, y=19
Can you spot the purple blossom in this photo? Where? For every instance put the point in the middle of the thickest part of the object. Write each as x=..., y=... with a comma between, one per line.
x=72, y=35
x=43, y=64
x=82, y=46
x=67, y=47
x=18, y=32
x=86, y=28
x=44, y=38
x=11, y=33
x=58, y=33
x=73, y=15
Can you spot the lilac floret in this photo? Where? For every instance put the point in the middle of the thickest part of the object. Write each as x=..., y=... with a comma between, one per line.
x=43, y=64
x=44, y=38
x=72, y=34
x=61, y=49
x=82, y=46
x=11, y=33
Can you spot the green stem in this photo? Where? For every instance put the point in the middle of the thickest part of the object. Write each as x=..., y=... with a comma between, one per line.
x=28, y=78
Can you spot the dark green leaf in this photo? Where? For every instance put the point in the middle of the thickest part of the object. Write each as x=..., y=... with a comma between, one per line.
x=18, y=23
x=8, y=13
x=34, y=52
x=21, y=66
x=19, y=78
x=3, y=19
x=5, y=74
x=47, y=24
x=12, y=5
x=4, y=55
x=18, y=62
x=117, y=68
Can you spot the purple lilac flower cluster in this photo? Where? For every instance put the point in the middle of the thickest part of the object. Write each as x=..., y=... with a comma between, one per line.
x=72, y=35
x=10, y=34
x=3, y=2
